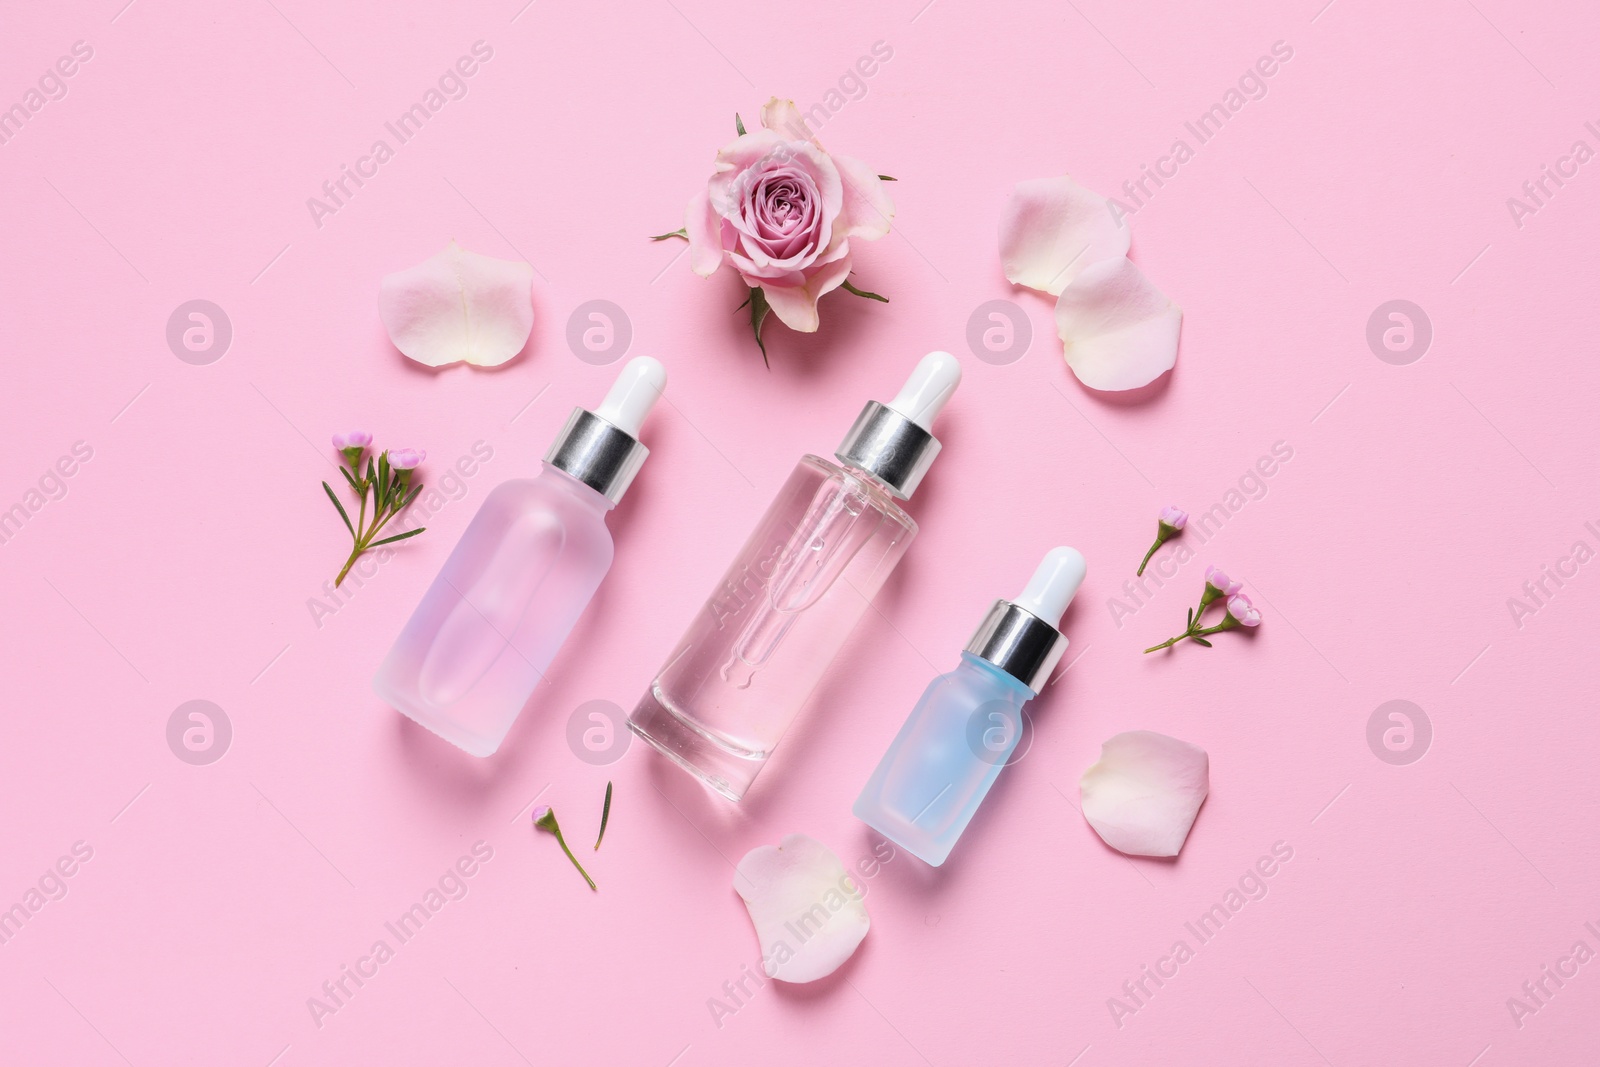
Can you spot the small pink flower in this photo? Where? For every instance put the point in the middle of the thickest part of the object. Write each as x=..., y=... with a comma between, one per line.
x=404, y=459
x=540, y=812
x=1218, y=580
x=1243, y=611
x=353, y=439
x=1169, y=524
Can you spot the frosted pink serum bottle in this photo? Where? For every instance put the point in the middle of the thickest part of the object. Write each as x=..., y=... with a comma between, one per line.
x=788, y=603
x=524, y=570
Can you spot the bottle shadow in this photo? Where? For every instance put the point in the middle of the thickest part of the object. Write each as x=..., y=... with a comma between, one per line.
x=464, y=782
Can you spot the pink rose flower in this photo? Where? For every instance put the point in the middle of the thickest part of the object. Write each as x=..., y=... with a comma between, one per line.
x=782, y=212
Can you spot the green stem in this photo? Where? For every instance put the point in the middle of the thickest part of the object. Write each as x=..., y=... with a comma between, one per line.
x=385, y=501
x=562, y=842
x=1145, y=562
x=1228, y=623
x=380, y=525
x=355, y=554
x=548, y=822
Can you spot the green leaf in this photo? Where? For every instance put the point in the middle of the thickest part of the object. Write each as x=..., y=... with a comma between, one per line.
x=886, y=178
x=605, y=816
x=1191, y=618
x=738, y=123
x=684, y=233
x=1201, y=641
x=397, y=537
x=415, y=489
x=342, y=513
x=847, y=287
x=380, y=488
x=758, y=316
x=353, y=483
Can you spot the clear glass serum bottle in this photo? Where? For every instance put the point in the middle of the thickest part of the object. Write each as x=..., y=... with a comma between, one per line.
x=788, y=602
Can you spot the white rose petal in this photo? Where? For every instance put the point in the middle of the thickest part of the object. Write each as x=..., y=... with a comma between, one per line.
x=1053, y=229
x=1143, y=795
x=806, y=908
x=459, y=306
x=1117, y=330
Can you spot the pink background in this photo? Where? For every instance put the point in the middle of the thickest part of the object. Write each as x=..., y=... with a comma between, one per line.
x=1419, y=498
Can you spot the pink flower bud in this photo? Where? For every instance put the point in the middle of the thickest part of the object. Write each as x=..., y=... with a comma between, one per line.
x=1243, y=611
x=1218, y=580
x=353, y=439
x=404, y=459
x=1176, y=518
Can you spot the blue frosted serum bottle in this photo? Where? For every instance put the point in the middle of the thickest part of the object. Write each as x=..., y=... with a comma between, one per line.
x=966, y=726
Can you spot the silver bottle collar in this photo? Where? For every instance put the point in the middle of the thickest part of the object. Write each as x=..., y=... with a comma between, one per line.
x=1019, y=643
x=597, y=454
x=890, y=447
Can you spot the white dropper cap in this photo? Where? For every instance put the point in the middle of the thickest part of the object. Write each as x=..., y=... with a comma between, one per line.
x=1053, y=585
x=928, y=389
x=633, y=394
x=601, y=448
x=894, y=442
x=1022, y=637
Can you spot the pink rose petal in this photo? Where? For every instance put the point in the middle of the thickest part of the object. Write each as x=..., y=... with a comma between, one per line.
x=785, y=118
x=806, y=908
x=704, y=228
x=796, y=306
x=1053, y=229
x=459, y=306
x=1117, y=330
x=1143, y=795
x=867, y=207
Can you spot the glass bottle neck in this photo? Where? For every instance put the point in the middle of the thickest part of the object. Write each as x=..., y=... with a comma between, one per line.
x=1003, y=678
x=580, y=492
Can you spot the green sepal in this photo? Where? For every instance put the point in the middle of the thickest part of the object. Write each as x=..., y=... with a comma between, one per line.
x=847, y=287
x=684, y=233
x=738, y=123
x=759, y=308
